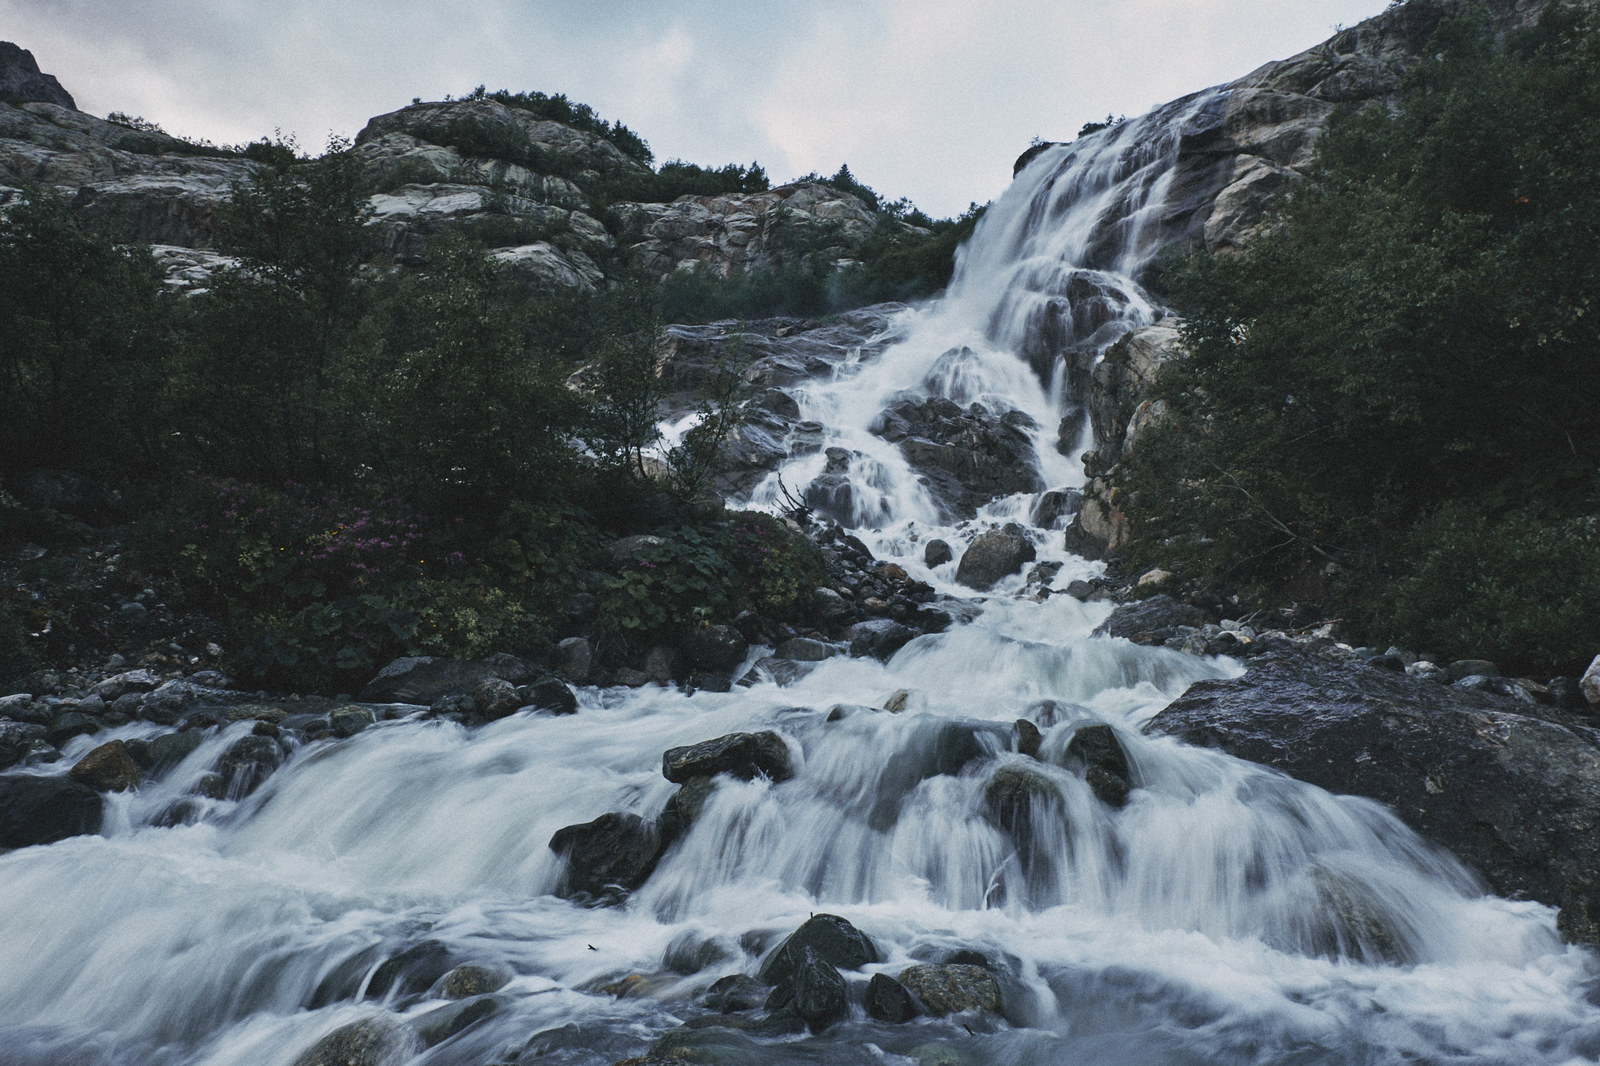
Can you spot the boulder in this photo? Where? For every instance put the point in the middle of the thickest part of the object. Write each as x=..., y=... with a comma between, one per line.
x=495, y=698
x=743, y=755
x=548, y=693
x=108, y=768
x=575, y=658
x=411, y=971
x=951, y=989
x=439, y=1025
x=246, y=764
x=41, y=810
x=879, y=638
x=968, y=456
x=684, y=806
x=1096, y=750
x=467, y=980
x=734, y=993
x=888, y=1001
x=16, y=738
x=376, y=1041
x=608, y=857
x=715, y=647
x=993, y=555
x=818, y=992
x=343, y=721
x=1515, y=797
x=1152, y=621
x=1589, y=683
x=830, y=937
x=424, y=680
x=936, y=553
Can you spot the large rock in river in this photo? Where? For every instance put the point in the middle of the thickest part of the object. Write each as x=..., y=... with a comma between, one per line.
x=1515, y=797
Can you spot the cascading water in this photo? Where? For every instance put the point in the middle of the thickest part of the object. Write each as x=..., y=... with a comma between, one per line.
x=1225, y=914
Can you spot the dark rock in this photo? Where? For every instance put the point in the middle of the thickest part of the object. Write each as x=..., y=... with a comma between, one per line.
x=1514, y=796
x=879, y=638
x=378, y=1041
x=1152, y=621
x=22, y=82
x=684, y=807
x=1464, y=668
x=495, y=698
x=437, y=1026
x=805, y=650
x=467, y=980
x=548, y=693
x=968, y=456
x=718, y=647
x=41, y=810
x=1028, y=738
x=691, y=953
x=69, y=725
x=15, y=740
x=170, y=749
x=575, y=659
x=1097, y=751
x=993, y=555
x=128, y=681
x=819, y=994
x=108, y=768
x=608, y=857
x=344, y=722
x=1015, y=794
x=22, y=707
x=831, y=937
x=830, y=606
x=246, y=764
x=736, y=992
x=888, y=1000
x=744, y=755
x=951, y=989
x=1055, y=507
x=413, y=970
x=936, y=553
x=423, y=680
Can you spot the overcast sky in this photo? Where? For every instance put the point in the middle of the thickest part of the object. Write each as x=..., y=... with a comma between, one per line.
x=930, y=99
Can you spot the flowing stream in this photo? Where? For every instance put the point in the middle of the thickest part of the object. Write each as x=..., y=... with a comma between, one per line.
x=1226, y=914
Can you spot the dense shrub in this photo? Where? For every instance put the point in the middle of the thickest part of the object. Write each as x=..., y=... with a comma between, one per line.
x=1416, y=334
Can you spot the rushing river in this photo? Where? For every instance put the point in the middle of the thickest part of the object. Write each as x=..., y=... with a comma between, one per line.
x=1225, y=915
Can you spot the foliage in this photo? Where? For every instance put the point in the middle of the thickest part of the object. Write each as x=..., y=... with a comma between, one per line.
x=1418, y=331
x=558, y=108
x=81, y=334
x=1096, y=127
x=685, y=578
x=777, y=567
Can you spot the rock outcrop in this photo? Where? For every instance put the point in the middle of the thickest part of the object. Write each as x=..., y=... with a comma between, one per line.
x=22, y=83
x=1515, y=797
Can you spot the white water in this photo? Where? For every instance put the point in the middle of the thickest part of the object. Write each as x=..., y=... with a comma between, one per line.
x=1226, y=915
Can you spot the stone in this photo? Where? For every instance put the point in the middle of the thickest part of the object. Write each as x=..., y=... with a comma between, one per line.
x=16, y=738
x=549, y=694
x=993, y=555
x=246, y=764
x=608, y=857
x=495, y=698
x=108, y=768
x=829, y=605
x=951, y=989
x=1464, y=668
x=879, y=638
x=70, y=724
x=439, y=1025
x=818, y=992
x=684, y=806
x=1152, y=621
x=42, y=810
x=714, y=647
x=423, y=680
x=897, y=702
x=888, y=1001
x=467, y=980
x=575, y=659
x=830, y=937
x=376, y=1041
x=936, y=553
x=805, y=650
x=344, y=722
x=1029, y=738
x=734, y=993
x=170, y=749
x=1513, y=796
x=1014, y=795
x=966, y=456
x=128, y=681
x=1096, y=749
x=411, y=971
x=743, y=755
x=1589, y=683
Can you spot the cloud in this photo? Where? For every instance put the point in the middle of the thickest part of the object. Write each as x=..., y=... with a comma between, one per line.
x=930, y=99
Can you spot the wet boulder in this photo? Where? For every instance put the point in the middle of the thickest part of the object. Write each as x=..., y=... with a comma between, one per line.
x=468, y=980
x=495, y=698
x=608, y=857
x=684, y=806
x=993, y=555
x=439, y=1025
x=108, y=768
x=246, y=764
x=879, y=638
x=412, y=971
x=936, y=553
x=1152, y=621
x=968, y=456
x=16, y=738
x=743, y=755
x=424, y=680
x=1096, y=750
x=951, y=989
x=1514, y=796
x=1014, y=795
x=42, y=810
x=830, y=937
x=888, y=1001
x=550, y=693
x=734, y=993
x=376, y=1041
x=718, y=647
x=818, y=993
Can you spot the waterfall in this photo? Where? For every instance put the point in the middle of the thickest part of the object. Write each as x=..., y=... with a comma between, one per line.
x=1224, y=914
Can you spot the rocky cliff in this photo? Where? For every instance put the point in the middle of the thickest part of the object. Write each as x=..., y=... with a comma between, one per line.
x=539, y=194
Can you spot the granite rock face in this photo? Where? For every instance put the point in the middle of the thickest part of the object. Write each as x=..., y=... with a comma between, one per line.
x=23, y=83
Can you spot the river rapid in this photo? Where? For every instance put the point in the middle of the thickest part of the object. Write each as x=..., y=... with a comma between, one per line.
x=1225, y=915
